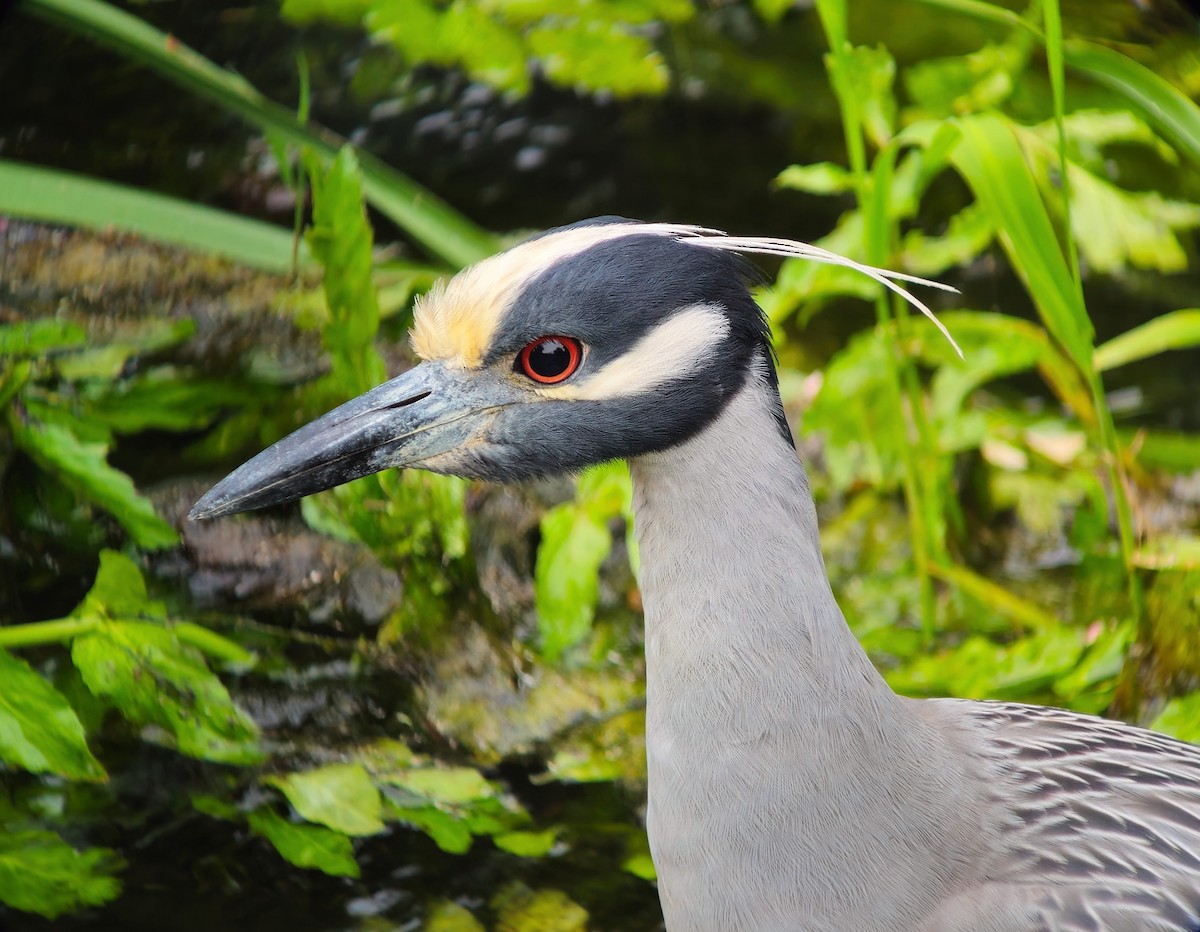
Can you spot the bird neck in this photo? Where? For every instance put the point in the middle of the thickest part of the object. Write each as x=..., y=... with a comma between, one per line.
x=732, y=576
x=785, y=777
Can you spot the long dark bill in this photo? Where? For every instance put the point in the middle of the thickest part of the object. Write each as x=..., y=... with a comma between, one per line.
x=424, y=412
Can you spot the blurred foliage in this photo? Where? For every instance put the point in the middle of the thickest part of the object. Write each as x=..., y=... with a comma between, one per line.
x=936, y=469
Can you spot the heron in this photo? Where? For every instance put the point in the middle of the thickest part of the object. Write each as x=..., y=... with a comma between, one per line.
x=789, y=788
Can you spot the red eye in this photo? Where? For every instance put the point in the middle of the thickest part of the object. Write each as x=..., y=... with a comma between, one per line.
x=549, y=359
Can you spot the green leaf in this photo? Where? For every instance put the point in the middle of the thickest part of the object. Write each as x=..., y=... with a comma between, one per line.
x=1173, y=331
x=42, y=337
x=448, y=831
x=1115, y=228
x=526, y=844
x=955, y=86
x=40, y=873
x=450, y=917
x=452, y=786
x=818, y=178
x=979, y=668
x=39, y=731
x=1180, y=718
x=968, y=233
x=163, y=400
x=573, y=547
x=84, y=468
x=871, y=72
x=119, y=590
x=308, y=846
x=462, y=34
x=153, y=678
x=595, y=55
x=214, y=807
x=341, y=796
x=344, y=12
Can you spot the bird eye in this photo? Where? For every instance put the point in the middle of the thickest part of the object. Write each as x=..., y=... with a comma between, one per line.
x=549, y=359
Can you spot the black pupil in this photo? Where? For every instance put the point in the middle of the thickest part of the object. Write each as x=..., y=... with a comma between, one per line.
x=549, y=358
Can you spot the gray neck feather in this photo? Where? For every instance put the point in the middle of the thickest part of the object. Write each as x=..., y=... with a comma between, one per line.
x=772, y=742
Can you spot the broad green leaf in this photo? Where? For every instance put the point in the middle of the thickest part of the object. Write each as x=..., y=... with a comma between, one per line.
x=39, y=731
x=520, y=909
x=1090, y=686
x=40, y=873
x=944, y=87
x=526, y=844
x=871, y=72
x=452, y=786
x=981, y=669
x=119, y=590
x=599, y=56
x=573, y=547
x=106, y=362
x=84, y=467
x=159, y=400
x=994, y=345
x=968, y=233
x=818, y=178
x=462, y=34
x=341, y=796
x=1090, y=131
x=1115, y=228
x=304, y=12
x=852, y=411
x=306, y=845
x=153, y=678
x=447, y=830
x=1180, y=718
x=450, y=917
x=991, y=161
x=42, y=337
x=638, y=861
x=772, y=10
x=214, y=807
x=1173, y=331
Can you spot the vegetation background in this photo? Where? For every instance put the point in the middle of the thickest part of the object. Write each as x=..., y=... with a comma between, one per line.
x=410, y=702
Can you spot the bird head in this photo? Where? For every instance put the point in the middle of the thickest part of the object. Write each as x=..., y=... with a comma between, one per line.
x=603, y=340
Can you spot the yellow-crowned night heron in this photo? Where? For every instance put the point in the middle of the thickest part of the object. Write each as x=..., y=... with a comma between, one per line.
x=790, y=788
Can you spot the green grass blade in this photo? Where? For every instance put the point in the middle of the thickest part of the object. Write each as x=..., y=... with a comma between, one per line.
x=1167, y=109
x=51, y=196
x=1054, y=60
x=1173, y=331
x=429, y=220
x=990, y=159
x=988, y=12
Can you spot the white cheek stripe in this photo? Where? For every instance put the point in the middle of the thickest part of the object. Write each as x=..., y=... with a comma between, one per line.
x=674, y=349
